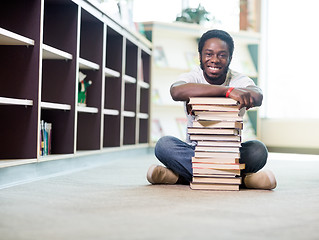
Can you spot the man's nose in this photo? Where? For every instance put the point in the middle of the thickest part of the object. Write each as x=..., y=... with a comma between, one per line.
x=214, y=58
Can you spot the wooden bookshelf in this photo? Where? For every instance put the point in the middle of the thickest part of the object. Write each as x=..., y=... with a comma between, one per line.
x=44, y=46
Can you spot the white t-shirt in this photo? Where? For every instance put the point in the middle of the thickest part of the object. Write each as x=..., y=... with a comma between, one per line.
x=233, y=79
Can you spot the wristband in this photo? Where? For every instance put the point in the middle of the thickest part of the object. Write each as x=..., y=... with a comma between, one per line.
x=229, y=91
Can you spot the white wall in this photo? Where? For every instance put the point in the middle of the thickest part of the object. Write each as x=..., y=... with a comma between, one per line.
x=290, y=133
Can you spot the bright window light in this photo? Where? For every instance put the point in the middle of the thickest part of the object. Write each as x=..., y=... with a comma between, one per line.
x=292, y=51
x=226, y=13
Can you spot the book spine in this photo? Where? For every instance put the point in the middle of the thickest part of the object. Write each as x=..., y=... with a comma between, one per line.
x=45, y=138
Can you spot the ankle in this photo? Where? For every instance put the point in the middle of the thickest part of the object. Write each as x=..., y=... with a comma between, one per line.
x=182, y=181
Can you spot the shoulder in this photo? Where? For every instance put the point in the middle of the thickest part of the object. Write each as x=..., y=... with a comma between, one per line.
x=237, y=79
x=194, y=76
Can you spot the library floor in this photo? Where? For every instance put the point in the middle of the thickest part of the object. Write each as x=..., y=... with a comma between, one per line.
x=115, y=201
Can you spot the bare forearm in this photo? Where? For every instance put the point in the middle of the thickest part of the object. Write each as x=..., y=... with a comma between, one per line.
x=248, y=97
x=184, y=91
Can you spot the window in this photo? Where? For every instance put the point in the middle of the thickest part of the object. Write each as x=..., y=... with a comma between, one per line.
x=226, y=13
x=291, y=78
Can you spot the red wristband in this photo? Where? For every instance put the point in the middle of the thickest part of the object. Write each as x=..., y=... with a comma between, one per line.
x=229, y=91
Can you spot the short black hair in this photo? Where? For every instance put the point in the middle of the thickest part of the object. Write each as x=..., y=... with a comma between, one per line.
x=215, y=33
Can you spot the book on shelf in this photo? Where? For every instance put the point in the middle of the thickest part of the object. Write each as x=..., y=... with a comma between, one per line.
x=45, y=138
x=156, y=97
x=210, y=186
x=182, y=126
x=160, y=57
x=217, y=179
x=222, y=131
x=212, y=101
x=218, y=124
x=156, y=130
x=192, y=59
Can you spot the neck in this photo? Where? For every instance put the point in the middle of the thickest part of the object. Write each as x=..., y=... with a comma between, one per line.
x=216, y=81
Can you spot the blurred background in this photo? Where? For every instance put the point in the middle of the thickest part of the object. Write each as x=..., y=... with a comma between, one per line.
x=276, y=44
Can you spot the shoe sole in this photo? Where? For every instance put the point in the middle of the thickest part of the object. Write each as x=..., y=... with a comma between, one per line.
x=272, y=178
x=150, y=172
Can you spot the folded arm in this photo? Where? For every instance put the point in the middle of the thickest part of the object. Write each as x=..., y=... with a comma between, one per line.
x=250, y=96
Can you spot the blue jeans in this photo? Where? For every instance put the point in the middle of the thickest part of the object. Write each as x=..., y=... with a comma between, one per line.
x=177, y=156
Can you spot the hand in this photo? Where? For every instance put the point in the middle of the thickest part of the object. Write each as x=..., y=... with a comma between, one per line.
x=243, y=96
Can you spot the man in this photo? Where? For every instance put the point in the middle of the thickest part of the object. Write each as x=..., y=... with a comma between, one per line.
x=212, y=79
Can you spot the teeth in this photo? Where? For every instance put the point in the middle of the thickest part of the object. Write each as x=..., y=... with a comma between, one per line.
x=214, y=68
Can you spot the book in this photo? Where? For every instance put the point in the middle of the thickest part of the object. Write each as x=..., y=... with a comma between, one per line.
x=42, y=137
x=48, y=129
x=217, y=154
x=214, y=175
x=215, y=160
x=218, y=116
x=208, y=186
x=192, y=59
x=218, y=179
x=45, y=138
x=217, y=149
x=212, y=101
x=211, y=171
x=159, y=56
x=227, y=131
x=230, y=166
x=221, y=108
x=182, y=126
x=218, y=144
x=217, y=130
x=157, y=130
x=215, y=137
x=218, y=124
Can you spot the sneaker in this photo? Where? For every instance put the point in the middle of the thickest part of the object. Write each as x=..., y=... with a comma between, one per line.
x=157, y=174
x=261, y=180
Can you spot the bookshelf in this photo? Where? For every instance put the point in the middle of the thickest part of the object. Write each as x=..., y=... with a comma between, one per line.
x=175, y=52
x=44, y=45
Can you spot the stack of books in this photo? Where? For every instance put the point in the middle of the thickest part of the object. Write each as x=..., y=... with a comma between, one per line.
x=45, y=138
x=217, y=130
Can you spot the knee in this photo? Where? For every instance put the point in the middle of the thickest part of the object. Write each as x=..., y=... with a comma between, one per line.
x=261, y=151
x=256, y=151
x=162, y=145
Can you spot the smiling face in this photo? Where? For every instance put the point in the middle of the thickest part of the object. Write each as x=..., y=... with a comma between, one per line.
x=214, y=60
